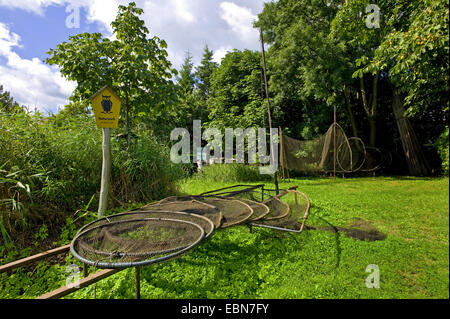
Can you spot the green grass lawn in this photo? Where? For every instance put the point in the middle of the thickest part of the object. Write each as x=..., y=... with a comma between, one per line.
x=235, y=263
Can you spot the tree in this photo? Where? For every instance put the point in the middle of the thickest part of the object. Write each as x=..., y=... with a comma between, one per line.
x=186, y=80
x=190, y=104
x=413, y=52
x=307, y=71
x=7, y=102
x=204, y=71
x=134, y=65
x=236, y=99
x=327, y=54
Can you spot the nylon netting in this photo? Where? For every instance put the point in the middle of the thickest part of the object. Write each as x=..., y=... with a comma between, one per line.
x=333, y=151
x=171, y=227
x=233, y=211
x=189, y=206
x=127, y=242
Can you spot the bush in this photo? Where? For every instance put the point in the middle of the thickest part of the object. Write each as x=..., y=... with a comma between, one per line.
x=144, y=172
x=232, y=173
x=51, y=166
x=443, y=150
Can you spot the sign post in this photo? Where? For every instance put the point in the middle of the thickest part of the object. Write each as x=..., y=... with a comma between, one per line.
x=106, y=105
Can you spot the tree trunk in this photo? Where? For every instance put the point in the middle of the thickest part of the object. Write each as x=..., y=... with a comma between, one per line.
x=417, y=163
x=373, y=131
x=350, y=113
x=370, y=110
x=373, y=110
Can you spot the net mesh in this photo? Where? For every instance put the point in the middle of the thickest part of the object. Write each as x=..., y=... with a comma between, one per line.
x=202, y=221
x=188, y=205
x=233, y=211
x=287, y=210
x=166, y=229
x=295, y=206
x=333, y=150
x=124, y=242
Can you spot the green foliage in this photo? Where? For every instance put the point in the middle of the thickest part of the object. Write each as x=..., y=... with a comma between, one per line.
x=236, y=263
x=42, y=233
x=186, y=80
x=144, y=172
x=236, y=90
x=134, y=64
x=443, y=149
x=415, y=52
x=51, y=166
x=7, y=103
x=230, y=173
x=307, y=68
x=204, y=72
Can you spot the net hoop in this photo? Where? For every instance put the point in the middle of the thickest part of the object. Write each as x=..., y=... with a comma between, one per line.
x=381, y=153
x=218, y=215
x=255, y=203
x=352, y=170
x=139, y=212
x=305, y=216
x=277, y=198
x=111, y=265
x=224, y=223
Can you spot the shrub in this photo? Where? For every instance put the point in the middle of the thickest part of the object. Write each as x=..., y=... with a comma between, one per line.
x=232, y=173
x=443, y=150
x=51, y=166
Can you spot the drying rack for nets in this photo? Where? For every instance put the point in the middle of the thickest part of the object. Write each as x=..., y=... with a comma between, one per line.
x=287, y=211
x=171, y=227
x=332, y=152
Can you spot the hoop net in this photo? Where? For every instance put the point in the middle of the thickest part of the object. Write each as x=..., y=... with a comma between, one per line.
x=133, y=242
x=332, y=150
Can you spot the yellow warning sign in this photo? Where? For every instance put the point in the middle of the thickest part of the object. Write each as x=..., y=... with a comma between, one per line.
x=106, y=105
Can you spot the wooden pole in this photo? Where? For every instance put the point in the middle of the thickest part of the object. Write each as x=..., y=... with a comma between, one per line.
x=281, y=152
x=28, y=260
x=275, y=178
x=137, y=273
x=65, y=290
x=106, y=172
x=334, y=143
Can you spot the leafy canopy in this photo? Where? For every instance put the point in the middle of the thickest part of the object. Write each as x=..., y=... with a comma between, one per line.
x=134, y=64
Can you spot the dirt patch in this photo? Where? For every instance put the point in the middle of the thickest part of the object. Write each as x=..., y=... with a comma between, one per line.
x=359, y=229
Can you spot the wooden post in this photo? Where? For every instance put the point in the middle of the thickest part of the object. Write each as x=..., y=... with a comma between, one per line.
x=106, y=172
x=275, y=178
x=334, y=143
x=85, y=270
x=65, y=290
x=281, y=152
x=28, y=260
x=137, y=274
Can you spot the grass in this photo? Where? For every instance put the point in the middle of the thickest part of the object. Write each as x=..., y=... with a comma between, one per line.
x=236, y=263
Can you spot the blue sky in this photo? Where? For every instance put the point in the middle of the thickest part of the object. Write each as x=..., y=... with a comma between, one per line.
x=29, y=28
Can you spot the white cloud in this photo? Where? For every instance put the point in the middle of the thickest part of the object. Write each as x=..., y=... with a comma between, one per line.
x=240, y=19
x=183, y=24
x=182, y=11
x=31, y=82
x=220, y=53
x=36, y=6
x=98, y=10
